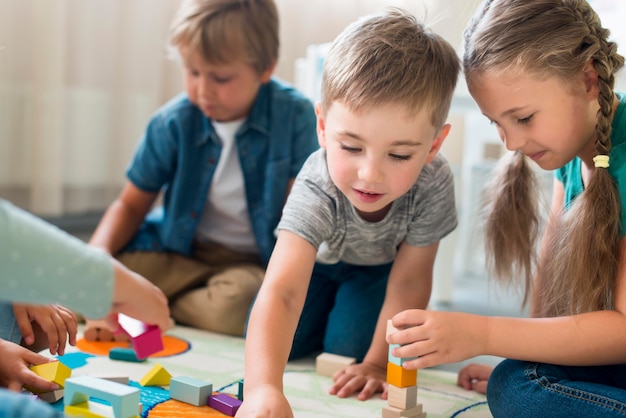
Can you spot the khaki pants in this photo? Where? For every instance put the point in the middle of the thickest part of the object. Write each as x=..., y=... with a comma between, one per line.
x=212, y=290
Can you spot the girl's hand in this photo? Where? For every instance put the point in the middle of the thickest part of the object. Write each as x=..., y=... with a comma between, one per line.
x=264, y=402
x=437, y=337
x=54, y=321
x=365, y=378
x=136, y=297
x=474, y=377
x=14, y=371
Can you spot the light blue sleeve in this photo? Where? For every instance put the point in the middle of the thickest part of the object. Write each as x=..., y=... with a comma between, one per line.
x=40, y=263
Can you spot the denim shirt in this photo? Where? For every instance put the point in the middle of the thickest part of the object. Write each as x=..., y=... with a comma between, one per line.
x=179, y=153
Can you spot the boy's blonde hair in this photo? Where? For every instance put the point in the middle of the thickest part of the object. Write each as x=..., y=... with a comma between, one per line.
x=223, y=31
x=551, y=38
x=391, y=58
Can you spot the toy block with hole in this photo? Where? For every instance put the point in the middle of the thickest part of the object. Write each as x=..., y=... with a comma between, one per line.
x=189, y=390
x=401, y=377
x=403, y=398
x=392, y=412
x=326, y=364
x=124, y=354
x=224, y=403
x=146, y=339
x=51, y=397
x=124, y=380
x=54, y=371
x=157, y=376
x=123, y=399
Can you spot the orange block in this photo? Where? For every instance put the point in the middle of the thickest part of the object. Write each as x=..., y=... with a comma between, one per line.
x=400, y=377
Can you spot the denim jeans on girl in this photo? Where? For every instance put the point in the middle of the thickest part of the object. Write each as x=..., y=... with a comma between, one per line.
x=523, y=389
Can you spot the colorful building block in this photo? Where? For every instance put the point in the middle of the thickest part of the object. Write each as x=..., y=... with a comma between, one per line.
x=51, y=397
x=190, y=390
x=54, y=371
x=240, y=390
x=124, y=380
x=146, y=339
x=327, y=364
x=400, y=377
x=123, y=399
x=157, y=376
x=224, y=403
x=124, y=354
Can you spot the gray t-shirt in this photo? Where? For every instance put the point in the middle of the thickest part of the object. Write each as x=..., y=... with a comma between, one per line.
x=317, y=211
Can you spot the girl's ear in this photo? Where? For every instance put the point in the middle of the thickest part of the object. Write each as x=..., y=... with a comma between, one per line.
x=438, y=142
x=321, y=125
x=590, y=77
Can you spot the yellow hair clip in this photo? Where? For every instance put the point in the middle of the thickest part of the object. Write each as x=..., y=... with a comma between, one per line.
x=601, y=161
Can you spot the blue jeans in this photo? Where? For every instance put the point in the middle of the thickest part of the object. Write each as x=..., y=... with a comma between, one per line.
x=16, y=405
x=523, y=389
x=9, y=330
x=341, y=310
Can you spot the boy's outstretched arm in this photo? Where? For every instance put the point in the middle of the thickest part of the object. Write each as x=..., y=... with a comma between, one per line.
x=122, y=219
x=272, y=325
x=409, y=286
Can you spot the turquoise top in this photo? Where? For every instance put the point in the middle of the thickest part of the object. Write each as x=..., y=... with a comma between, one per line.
x=571, y=176
x=41, y=264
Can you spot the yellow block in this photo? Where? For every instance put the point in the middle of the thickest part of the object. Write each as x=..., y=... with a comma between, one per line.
x=54, y=371
x=157, y=376
x=400, y=377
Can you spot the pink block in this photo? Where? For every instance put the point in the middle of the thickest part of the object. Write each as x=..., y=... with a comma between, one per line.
x=224, y=403
x=146, y=339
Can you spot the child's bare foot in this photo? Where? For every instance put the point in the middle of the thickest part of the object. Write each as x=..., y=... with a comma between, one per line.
x=99, y=331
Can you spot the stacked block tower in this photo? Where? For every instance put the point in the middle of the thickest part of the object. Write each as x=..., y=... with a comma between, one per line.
x=402, y=387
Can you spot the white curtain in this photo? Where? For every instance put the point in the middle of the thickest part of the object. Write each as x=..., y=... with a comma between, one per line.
x=78, y=81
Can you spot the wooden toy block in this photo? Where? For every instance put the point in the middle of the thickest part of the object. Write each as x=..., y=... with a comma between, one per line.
x=51, y=397
x=124, y=354
x=123, y=399
x=240, y=390
x=224, y=403
x=390, y=328
x=403, y=398
x=157, y=376
x=146, y=339
x=81, y=410
x=401, y=377
x=54, y=371
x=397, y=360
x=124, y=380
x=392, y=412
x=327, y=364
x=190, y=390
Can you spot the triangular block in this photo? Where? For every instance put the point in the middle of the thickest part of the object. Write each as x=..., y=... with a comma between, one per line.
x=157, y=376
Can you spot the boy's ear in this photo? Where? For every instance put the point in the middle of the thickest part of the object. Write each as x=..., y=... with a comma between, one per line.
x=321, y=125
x=438, y=142
x=267, y=74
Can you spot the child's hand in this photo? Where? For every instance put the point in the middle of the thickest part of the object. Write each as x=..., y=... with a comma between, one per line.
x=264, y=402
x=437, y=337
x=54, y=321
x=136, y=297
x=474, y=377
x=14, y=371
x=367, y=378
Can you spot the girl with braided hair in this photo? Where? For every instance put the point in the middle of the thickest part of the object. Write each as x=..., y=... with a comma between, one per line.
x=543, y=72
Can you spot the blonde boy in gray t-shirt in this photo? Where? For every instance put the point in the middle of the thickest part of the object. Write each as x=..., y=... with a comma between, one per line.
x=370, y=207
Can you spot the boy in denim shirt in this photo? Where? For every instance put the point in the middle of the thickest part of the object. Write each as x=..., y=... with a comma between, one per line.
x=225, y=154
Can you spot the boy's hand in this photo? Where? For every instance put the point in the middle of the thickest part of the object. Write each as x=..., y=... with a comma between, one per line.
x=474, y=377
x=14, y=371
x=55, y=321
x=367, y=378
x=264, y=402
